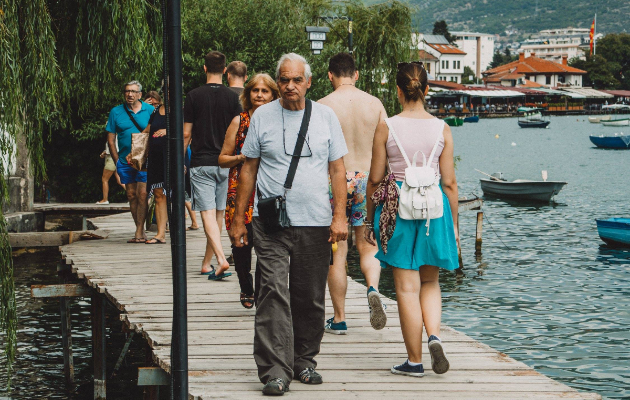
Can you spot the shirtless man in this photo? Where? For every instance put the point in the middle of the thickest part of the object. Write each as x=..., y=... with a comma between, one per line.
x=359, y=114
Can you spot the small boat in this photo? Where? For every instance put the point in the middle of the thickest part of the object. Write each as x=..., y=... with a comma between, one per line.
x=597, y=120
x=616, y=141
x=520, y=189
x=454, y=121
x=533, y=124
x=474, y=118
x=532, y=118
x=617, y=122
x=614, y=231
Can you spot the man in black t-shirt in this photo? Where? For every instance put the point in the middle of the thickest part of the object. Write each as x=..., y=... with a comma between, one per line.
x=208, y=111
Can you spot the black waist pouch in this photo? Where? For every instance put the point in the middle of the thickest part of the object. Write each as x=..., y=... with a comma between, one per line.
x=273, y=210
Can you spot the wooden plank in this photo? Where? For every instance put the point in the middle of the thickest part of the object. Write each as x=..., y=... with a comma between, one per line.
x=52, y=239
x=62, y=290
x=469, y=204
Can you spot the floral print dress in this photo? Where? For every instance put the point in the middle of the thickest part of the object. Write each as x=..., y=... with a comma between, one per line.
x=235, y=172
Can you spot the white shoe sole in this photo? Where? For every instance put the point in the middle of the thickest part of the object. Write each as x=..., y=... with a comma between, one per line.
x=439, y=363
x=415, y=374
x=335, y=332
x=378, y=317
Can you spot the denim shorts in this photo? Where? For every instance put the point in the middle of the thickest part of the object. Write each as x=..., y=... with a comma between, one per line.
x=129, y=174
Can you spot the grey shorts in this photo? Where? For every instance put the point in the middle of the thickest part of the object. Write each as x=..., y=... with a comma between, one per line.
x=208, y=187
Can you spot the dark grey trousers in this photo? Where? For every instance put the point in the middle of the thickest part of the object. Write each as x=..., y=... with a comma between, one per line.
x=290, y=310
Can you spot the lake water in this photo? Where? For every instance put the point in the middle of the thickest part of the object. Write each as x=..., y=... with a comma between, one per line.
x=546, y=290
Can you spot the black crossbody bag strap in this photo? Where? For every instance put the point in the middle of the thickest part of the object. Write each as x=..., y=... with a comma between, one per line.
x=131, y=118
x=299, y=144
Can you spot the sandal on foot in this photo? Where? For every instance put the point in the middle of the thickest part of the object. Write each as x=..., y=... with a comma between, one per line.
x=190, y=228
x=247, y=300
x=310, y=377
x=136, y=240
x=275, y=387
x=212, y=276
x=155, y=241
x=209, y=272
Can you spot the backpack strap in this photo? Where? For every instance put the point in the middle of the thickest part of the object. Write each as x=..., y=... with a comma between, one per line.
x=435, y=146
x=402, y=151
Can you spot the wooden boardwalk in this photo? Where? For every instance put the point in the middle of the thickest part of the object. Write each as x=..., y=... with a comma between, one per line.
x=137, y=279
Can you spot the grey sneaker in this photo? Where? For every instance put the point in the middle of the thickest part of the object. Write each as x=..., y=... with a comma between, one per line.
x=378, y=317
x=275, y=387
x=439, y=363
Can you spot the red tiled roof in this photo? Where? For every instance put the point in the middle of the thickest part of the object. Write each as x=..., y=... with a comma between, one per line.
x=447, y=85
x=533, y=65
x=426, y=56
x=512, y=76
x=530, y=84
x=446, y=48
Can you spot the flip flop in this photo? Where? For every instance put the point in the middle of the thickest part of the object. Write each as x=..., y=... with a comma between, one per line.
x=155, y=241
x=209, y=272
x=190, y=228
x=214, y=277
x=136, y=240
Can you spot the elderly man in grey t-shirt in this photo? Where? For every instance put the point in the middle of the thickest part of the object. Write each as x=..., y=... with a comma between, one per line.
x=290, y=318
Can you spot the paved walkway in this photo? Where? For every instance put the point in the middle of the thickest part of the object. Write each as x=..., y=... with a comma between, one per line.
x=137, y=279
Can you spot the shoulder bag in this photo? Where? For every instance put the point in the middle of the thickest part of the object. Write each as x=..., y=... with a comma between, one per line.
x=273, y=210
x=139, y=145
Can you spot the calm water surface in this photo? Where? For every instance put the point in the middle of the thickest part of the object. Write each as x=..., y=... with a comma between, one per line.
x=546, y=290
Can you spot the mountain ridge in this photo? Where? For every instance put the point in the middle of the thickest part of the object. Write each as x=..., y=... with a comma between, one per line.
x=493, y=16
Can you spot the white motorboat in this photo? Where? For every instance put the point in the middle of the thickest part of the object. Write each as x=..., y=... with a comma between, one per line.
x=617, y=122
x=598, y=119
x=520, y=189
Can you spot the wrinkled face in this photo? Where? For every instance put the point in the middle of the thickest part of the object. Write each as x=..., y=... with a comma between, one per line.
x=292, y=83
x=132, y=94
x=260, y=94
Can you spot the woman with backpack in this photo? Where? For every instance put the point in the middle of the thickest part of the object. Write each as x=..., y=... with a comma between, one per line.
x=409, y=214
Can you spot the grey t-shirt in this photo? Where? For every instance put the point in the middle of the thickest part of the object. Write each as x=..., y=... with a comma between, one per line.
x=308, y=201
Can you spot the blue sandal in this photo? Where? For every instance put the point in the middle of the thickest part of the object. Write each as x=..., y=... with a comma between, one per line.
x=212, y=276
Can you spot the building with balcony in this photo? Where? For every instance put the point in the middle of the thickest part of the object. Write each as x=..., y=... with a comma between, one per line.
x=449, y=65
x=553, y=44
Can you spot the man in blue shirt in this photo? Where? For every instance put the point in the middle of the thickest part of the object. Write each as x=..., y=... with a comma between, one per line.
x=132, y=116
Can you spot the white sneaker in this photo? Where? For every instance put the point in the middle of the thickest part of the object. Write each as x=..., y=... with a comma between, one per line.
x=104, y=203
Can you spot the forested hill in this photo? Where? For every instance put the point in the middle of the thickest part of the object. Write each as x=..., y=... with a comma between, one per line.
x=495, y=16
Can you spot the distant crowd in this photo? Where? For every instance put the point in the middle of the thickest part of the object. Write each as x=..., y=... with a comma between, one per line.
x=289, y=177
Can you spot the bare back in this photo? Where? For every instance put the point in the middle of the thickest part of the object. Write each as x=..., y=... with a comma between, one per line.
x=359, y=114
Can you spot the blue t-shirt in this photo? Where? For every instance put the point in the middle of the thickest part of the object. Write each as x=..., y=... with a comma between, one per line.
x=120, y=124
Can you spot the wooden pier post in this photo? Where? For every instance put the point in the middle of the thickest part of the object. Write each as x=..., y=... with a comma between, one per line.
x=478, y=233
x=98, y=346
x=66, y=327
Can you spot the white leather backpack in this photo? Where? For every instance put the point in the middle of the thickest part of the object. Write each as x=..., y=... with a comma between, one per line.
x=420, y=196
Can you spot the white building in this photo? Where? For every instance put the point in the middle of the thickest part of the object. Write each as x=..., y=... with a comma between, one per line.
x=553, y=44
x=449, y=65
x=479, y=49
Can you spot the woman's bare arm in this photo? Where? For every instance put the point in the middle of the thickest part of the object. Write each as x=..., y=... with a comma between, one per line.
x=227, y=159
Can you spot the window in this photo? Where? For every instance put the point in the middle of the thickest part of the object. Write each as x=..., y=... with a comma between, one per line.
x=429, y=68
x=446, y=64
x=548, y=80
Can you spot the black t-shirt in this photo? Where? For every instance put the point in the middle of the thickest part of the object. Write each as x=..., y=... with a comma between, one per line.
x=210, y=108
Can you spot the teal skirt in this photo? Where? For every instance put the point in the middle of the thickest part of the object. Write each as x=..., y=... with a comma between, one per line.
x=410, y=247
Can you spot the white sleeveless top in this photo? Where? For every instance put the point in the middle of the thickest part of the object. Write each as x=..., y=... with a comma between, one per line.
x=414, y=134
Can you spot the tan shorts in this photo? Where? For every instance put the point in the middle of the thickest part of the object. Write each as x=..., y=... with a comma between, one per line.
x=109, y=163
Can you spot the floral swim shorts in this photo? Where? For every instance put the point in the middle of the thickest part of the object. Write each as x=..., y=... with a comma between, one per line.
x=355, y=203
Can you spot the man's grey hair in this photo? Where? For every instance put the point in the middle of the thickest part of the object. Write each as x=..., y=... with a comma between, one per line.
x=134, y=83
x=294, y=57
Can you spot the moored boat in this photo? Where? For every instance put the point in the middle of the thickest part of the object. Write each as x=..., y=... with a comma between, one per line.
x=533, y=124
x=520, y=189
x=474, y=118
x=598, y=119
x=614, y=231
x=617, y=122
x=616, y=141
x=454, y=121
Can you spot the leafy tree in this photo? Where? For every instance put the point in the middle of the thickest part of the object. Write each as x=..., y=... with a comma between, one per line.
x=441, y=28
x=615, y=49
x=600, y=72
x=499, y=59
x=62, y=65
x=468, y=72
